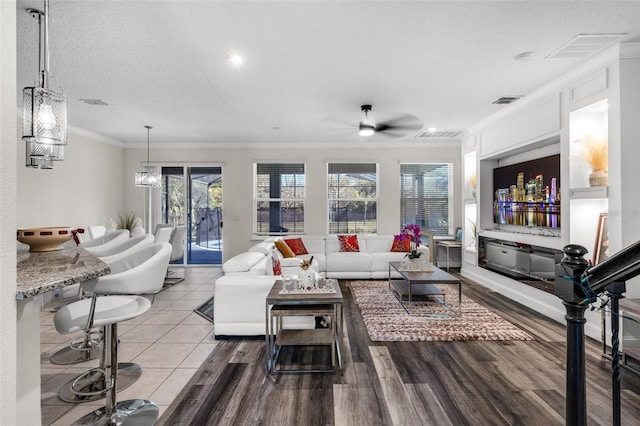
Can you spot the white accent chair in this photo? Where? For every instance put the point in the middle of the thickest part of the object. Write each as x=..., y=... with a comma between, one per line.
x=111, y=237
x=112, y=254
x=96, y=231
x=177, y=241
x=163, y=233
x=116, y=298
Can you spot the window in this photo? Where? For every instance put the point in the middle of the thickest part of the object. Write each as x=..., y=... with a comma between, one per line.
x=279, y=198
x=353, y=198
x=426, y=192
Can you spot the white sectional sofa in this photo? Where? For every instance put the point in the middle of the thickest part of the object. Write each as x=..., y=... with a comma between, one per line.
x=239, y=303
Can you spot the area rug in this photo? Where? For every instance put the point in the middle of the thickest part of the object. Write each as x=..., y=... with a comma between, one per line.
x=387, y=321
x=206, y=310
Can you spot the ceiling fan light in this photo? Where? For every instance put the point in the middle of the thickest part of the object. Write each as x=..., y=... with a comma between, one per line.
x=366, y=129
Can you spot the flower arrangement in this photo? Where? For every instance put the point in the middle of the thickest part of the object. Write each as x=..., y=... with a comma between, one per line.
x=411, y=233
x=596, y=152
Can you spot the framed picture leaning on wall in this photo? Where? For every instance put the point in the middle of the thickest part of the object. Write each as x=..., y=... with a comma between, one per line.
x=601, y=250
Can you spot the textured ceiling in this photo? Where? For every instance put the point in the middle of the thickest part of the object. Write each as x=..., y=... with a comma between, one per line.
x=309, y=64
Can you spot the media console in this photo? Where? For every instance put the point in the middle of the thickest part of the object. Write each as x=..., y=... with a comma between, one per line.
x=532, y=265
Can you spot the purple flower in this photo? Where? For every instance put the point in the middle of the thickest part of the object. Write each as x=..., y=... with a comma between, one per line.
x=413, y=231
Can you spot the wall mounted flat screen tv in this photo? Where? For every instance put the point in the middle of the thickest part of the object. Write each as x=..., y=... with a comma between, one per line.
x=528, y=193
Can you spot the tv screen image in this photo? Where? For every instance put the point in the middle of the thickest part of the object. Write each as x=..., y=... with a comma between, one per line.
x=528, y=193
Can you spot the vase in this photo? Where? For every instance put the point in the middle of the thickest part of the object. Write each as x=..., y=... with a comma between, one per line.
x=307, y=279
x=598, y=178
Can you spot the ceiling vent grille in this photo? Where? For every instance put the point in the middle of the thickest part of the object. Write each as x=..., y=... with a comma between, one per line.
x=94, y=102
x=506, y=100
x=585, y=45
x=440, y=134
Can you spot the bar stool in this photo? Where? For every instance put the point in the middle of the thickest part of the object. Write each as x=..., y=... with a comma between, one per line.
x=117, y=298
x=163, y=233
x=111, y=237
x=85, y=348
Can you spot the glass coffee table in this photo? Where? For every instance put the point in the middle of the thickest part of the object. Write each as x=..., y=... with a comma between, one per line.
x=422, y=283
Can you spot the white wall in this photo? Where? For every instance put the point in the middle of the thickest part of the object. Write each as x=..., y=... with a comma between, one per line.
x=84, y=189
x=8, y=138
x=238, y=180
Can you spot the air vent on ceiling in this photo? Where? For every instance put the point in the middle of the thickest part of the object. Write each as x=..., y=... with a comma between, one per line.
x=94, y=102
x=585, y=45
x=440, y=134
x=506, y=100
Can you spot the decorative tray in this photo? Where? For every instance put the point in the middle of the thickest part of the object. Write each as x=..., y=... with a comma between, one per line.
x=326, y=290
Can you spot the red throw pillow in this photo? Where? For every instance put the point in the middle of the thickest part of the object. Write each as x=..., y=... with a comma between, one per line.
x=348, y=243
x=401, y=245
x=275, y=263
x=297, y=246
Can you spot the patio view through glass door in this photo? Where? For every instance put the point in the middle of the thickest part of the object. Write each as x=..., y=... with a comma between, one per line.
x=192, y=196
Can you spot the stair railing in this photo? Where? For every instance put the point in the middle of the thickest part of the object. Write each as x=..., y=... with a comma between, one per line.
x=579, y=284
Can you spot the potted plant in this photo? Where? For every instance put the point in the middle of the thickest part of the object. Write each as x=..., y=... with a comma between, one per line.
x=129, y=221
x=595, y=152
x=412, y=233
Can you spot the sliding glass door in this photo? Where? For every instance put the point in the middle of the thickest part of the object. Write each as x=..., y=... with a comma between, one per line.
x=192, y=196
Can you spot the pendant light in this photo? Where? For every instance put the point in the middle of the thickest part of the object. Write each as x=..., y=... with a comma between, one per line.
x=148, y=177
x=44, y=117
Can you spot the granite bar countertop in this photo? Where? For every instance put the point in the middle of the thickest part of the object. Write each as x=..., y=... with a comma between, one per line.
x=41, y=272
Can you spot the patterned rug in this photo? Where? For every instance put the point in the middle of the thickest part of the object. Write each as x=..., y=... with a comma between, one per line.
x=427, y=320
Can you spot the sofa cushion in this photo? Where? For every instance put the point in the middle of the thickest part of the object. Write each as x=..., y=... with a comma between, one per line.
x=242, y=262
x=284, y=249
x=349, y=262
x=264, y=247
x=290, y=262
x=348, y=243
x=296, y=245
x=376, y=243
x=314, y=243
x=401, y=243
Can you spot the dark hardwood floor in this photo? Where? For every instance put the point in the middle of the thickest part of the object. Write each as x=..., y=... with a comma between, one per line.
x=401, y=383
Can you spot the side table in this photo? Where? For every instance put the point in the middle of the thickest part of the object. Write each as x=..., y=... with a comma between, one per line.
x=278, y=306
x=448, y=245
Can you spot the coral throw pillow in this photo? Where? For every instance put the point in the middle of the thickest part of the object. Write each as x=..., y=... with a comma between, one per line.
x=297, y=246
x=348, y=243
x=284, y=249
x=401, y=245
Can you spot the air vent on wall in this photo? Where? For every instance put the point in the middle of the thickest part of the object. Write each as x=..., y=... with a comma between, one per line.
x=440, y=134
x=585, y=45
x=506, y=100
x=94, y=102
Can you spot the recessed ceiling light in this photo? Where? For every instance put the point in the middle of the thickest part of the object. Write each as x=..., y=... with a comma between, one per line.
x=431, y=129
x=523, y=56
x=236, y=59
x=94, y=102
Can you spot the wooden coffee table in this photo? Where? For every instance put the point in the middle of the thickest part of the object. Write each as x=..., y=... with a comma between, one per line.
x=422, y=283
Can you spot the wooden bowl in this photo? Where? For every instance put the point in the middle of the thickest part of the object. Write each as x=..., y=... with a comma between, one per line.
x=45, y=239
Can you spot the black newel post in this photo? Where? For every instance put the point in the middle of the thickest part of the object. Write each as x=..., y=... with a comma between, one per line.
x=576, y=302
x=615, y=291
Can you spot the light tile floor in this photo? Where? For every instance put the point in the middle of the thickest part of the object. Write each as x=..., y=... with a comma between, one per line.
x=170, y=342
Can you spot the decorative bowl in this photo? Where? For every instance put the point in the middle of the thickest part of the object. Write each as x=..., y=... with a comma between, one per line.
x=45, y=239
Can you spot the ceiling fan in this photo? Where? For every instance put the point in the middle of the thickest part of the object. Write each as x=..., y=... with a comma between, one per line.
x=395, y=127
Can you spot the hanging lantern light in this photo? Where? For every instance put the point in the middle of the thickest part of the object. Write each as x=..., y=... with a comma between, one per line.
x=148, y=177
x=44, y=115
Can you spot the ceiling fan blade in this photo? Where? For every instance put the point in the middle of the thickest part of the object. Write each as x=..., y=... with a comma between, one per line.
x=403, y=123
